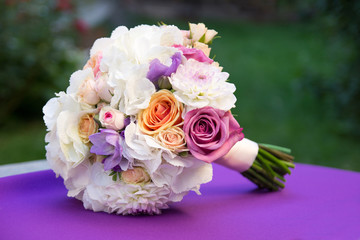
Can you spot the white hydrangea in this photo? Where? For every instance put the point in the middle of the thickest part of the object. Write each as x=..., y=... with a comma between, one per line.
x=127, y=60
x=198, y=85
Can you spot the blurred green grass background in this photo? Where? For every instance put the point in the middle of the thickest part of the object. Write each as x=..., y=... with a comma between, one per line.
x=266, y=62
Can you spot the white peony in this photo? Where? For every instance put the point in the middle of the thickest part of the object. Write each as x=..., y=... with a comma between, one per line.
x=198, y=85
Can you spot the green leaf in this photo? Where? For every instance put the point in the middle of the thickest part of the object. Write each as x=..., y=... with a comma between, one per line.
x=114, y=178
x=202, y=39
x=184, y=154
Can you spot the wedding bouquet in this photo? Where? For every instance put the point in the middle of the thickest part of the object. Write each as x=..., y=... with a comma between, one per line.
x=139, y=126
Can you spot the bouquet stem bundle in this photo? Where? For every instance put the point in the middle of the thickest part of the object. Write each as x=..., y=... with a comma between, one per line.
x=270, y=166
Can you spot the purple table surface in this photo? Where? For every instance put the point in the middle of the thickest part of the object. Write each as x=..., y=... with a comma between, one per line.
x=317, y=203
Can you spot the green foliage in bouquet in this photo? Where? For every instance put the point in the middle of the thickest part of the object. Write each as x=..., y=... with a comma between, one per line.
x=37, y=53
x=270, y=166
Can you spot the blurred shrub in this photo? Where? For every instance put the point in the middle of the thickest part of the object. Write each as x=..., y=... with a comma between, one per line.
x=37, y=54
x=340, y=93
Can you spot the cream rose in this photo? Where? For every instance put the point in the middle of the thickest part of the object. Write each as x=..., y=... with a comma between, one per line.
x=172, y=138
x=87, y=127
x=164, y=111
x=199, y=31
x=87, y=92
x=135, y=176
x=112, y=118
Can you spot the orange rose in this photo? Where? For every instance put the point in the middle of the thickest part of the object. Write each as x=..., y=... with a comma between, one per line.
x=87, y=127
x=164, y=111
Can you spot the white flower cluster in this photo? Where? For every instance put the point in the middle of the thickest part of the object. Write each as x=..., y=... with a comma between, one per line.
x=100, y=137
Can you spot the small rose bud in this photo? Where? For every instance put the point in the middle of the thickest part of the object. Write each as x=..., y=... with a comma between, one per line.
x=112, y=118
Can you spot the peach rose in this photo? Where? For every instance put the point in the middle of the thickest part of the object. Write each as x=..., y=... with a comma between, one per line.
x=87, y=127
x=94, y=63
x=172, y=138
x=135, y=176
x=164, y=111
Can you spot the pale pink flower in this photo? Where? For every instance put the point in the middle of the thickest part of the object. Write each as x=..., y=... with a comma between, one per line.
x=87, y=92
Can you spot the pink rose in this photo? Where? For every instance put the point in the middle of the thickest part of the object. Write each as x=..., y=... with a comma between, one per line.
x=194, y=53
x=210, y=133
x=112, y=118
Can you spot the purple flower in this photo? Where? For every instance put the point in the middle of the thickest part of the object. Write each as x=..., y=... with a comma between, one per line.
x=108, y=142
x=210, y=133
x=157, y=69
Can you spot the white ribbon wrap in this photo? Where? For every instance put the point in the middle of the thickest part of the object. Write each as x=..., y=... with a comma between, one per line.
x=241, y=156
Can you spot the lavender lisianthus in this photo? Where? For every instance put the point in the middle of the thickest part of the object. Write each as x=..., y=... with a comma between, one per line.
x=109, y=143
x=210, y=133
x=158, y=70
